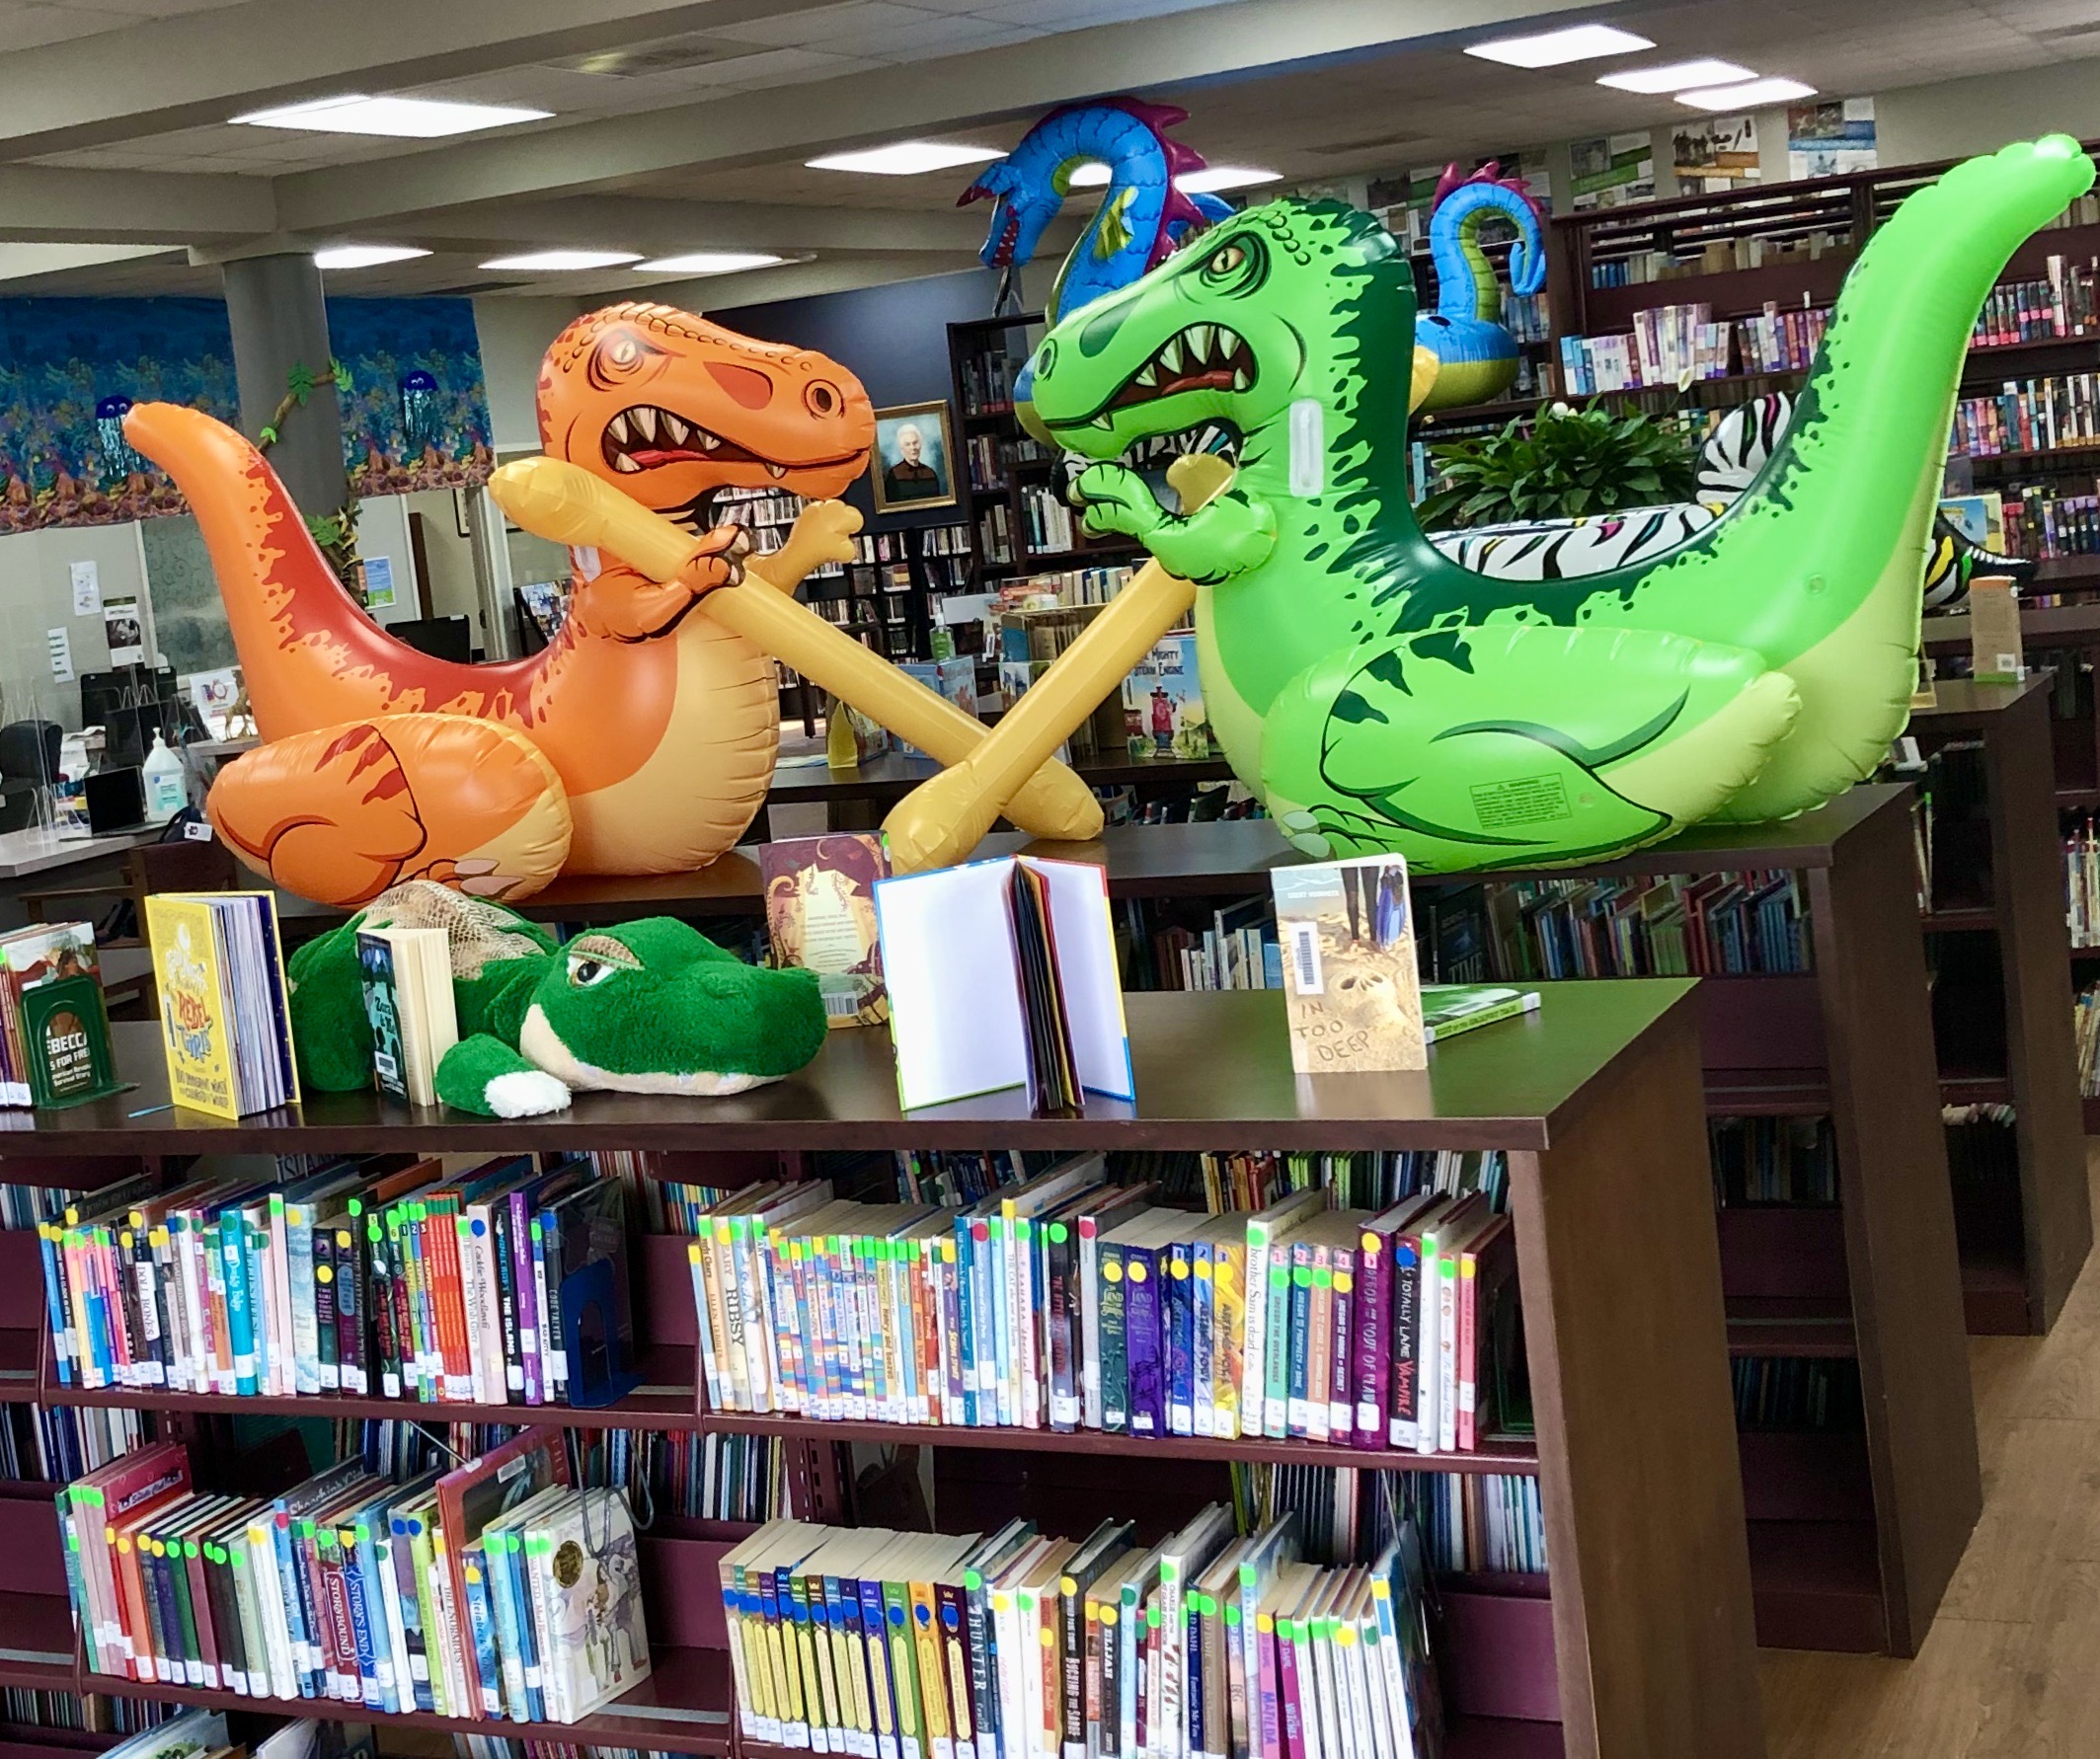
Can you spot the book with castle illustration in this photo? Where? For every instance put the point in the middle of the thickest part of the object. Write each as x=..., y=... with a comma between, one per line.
x=223, y=1002
x=1354, y=996
x=820, y=915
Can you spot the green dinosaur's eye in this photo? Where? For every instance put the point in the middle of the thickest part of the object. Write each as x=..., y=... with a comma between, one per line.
x=588, y=973
x=1234, y=268
x=1224, y=262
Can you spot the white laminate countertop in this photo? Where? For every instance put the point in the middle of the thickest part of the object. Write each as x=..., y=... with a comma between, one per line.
x=39, y=850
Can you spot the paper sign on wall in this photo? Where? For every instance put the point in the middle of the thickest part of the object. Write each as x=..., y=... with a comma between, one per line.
x=121, y=622
x=379, y=582
x=87, y=588
x=60, y=645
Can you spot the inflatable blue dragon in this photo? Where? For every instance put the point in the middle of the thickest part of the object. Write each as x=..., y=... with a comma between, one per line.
x=1142, y=217
x=1476, y=357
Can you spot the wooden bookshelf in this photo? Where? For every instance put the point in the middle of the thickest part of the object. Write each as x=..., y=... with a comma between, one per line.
x=1641, y=1639
x=1011, y=337
x=2001, y=881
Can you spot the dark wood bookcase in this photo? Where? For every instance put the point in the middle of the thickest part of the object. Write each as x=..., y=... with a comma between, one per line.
x=2002, y=1002
x=981, y=352
x=1639, y=1641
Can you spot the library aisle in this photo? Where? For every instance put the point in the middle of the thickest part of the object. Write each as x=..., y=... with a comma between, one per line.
x=2006, y=1671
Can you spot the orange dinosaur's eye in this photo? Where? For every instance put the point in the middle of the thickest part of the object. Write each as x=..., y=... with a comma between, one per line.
x=823, y=398
x=619, y=355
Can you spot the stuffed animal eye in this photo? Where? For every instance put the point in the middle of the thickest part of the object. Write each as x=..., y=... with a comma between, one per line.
x=585, y=973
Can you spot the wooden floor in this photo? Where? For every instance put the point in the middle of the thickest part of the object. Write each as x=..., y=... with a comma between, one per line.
x=2011, y=1669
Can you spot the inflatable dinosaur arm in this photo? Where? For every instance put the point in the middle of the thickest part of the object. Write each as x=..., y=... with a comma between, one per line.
x=1227, y=535
x=823, y=533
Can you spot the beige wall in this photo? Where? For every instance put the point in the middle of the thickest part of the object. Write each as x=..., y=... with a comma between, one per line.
x=515, y=334
x=37, y=595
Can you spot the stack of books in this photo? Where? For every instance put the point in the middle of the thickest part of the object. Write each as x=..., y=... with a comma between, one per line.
x=217, y=960
x=1069, y=1302
x=494, y=1590
x=394, y=1277
x=1019, y=1642
x=2038, y=415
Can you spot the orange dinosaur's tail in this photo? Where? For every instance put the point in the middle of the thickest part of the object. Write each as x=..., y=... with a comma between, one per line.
x=310, y=655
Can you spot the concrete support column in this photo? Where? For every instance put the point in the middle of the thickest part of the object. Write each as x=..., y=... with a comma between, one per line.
x=279, y=320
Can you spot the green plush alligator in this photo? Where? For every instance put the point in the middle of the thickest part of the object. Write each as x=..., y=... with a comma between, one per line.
x=1382, y=697
x=649, y=1007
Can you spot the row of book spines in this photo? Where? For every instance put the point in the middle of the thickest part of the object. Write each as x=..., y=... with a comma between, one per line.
x=2047, y=526
x=258, y=1300
x=915, y=1670
x=1147, y=1341
x=2030, y=415
x=2061, y=304
x=292, y=1609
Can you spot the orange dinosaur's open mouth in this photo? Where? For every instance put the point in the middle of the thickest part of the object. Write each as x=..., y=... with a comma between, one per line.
x=646, y=436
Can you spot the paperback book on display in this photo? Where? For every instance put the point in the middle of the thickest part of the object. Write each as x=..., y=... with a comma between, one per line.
x=224, y=1017
x=1003, y=974
x=820, y=915
x=407, y=975
x=1354, y=997
x=54, y=1024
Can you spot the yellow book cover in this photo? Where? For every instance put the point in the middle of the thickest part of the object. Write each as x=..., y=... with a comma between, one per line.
x=199, y=1012
x=195, y=1010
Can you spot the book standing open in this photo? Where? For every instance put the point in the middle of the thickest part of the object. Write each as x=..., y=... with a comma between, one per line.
x=1002, y=974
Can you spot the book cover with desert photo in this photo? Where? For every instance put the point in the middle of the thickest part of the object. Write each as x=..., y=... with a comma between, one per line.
x=1348, y=937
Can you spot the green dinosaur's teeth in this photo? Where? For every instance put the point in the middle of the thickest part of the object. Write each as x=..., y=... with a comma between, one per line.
x=1170, y=355
x=1199, y=336
x=1147, y=377
x=1240, y=380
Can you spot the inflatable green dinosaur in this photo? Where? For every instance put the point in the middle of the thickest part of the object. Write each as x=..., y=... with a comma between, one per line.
x=648, y=1007
x=1380, y=697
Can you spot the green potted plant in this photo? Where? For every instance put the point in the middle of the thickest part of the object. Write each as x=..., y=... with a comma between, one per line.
x=1568, y=463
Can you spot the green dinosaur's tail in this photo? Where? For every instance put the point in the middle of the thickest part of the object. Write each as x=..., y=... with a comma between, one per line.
x=1819, y=565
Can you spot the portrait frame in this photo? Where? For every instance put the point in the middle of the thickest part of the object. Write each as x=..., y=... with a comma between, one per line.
x=937, y=454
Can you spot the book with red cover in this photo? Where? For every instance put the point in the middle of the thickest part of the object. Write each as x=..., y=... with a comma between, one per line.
x=119, y=1492
x=481, y=1490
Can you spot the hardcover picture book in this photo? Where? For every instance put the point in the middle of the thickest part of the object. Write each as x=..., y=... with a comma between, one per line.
x=1163, y=702
x=1354, y=997
x=820, y=915
x=227, y=1029
x=1002, y=974
x=54, y=1023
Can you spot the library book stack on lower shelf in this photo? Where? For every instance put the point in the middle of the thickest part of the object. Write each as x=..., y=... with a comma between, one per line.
x=1574, y=1581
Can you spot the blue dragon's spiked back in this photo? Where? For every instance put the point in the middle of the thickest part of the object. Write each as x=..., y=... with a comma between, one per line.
x=1476, y=357
x=1143, y=214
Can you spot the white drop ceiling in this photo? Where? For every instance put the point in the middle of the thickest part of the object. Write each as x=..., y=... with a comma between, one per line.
x=683, y=124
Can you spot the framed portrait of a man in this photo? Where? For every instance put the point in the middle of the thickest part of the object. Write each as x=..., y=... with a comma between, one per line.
x=915, y=458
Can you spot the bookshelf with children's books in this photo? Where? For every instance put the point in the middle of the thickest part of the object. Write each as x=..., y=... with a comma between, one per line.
x=1009, y=484
x=1595, y=1097
x=1843, y=1281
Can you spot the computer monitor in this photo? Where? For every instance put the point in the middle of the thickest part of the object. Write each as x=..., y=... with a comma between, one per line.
x=441, y=638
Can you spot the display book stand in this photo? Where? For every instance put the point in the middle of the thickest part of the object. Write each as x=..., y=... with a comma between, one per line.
x=1640, y=1639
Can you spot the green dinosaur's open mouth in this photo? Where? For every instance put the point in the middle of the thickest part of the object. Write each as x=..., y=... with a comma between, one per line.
x=1152, y=451
x=1201, y=358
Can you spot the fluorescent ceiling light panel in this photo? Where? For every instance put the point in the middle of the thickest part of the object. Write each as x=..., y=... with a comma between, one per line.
x=1751, y=95
x=906, y=158
x=1556, y=48
x=1214, y=178
x=1208, y=180
x=553, y=261
x=1678, y=76
x=365, y=256
x=412, y=118
x=710, y=262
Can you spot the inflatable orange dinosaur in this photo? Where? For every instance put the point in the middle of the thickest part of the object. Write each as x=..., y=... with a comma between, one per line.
x=643, y=738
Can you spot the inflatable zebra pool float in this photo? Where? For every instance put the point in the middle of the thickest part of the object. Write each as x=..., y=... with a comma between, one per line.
x=1733, y=455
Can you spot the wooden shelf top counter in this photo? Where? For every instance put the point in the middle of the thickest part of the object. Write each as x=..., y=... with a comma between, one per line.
x=1213, y=1068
